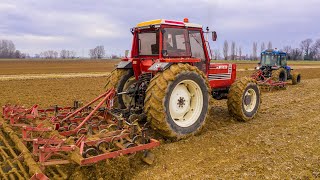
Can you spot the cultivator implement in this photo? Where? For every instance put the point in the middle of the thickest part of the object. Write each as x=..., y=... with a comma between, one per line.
x=33, y=138
x=267, y=84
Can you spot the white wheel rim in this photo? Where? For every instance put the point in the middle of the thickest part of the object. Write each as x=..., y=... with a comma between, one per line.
x=127, y=99
x=185, y=103
x=249, y=106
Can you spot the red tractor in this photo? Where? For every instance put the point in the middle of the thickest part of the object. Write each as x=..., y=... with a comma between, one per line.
x=169, y=79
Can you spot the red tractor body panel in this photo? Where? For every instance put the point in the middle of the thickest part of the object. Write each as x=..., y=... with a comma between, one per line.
x=221, y=75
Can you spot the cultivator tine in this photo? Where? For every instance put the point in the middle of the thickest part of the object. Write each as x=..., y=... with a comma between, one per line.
x=265, y=87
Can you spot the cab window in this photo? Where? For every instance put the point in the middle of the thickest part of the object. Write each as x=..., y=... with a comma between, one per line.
x=175, y=42
x=283, y=60
x=148, y=43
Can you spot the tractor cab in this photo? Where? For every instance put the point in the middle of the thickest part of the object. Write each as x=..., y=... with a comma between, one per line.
x=159, y=43
x=273, y=58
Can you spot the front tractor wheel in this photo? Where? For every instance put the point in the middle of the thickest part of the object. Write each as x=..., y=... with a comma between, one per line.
x=124, y=84
x=120, y=79
x=244, y=99
x=177, y=101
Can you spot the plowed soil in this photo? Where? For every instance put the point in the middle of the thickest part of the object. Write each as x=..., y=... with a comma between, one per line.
x=10, y=67
x=282, y=142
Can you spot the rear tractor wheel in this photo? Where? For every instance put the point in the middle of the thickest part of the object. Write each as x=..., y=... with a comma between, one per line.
x=177, y=101
x=244, y=99
x=296, y=78
x=279, y=75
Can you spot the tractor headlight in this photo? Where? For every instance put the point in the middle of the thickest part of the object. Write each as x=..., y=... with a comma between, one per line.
x=257, y=68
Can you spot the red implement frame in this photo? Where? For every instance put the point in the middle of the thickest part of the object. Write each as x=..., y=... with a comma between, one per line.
x=268, y=82
x=119, y=136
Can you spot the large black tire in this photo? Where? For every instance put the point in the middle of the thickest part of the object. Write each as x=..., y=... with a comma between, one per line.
x=158, y=102
x=279, y=75
x=244, y=99
x=296, y=78
x=116, y=80
x=125, y=81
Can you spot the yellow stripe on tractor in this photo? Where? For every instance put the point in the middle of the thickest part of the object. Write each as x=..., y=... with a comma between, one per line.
x=148, y=23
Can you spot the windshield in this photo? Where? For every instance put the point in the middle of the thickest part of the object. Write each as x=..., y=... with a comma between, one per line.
x=148, y=43
x=175, y=42
x=268, y=60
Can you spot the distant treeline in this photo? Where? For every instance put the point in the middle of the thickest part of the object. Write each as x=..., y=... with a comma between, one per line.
x=308, y=50
x=8, y=51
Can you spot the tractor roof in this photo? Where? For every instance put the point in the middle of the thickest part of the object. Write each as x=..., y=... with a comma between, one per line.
x=274, y=52
x=158, y=22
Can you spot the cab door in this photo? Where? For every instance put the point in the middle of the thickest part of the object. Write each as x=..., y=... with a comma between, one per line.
x=197, y=49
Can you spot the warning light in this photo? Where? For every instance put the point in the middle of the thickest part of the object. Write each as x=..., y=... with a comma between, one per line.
x=186, y=20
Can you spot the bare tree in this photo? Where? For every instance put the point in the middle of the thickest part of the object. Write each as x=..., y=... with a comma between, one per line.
x=97, y=53
x=263, y=47
x=24, y=55
x=225, y=50
x=295, y=54
x=288, y=50
x=254, y=50
x=92, y=54
x=50, y=54
x=7, y=49
x=66, y=54
x=72, y=54
x=305, y=46
x=240, y=52
x=55, y=54
x=270, y=45
x=233, y=50
x=237, y=50
x=63, y=54
x=216, y=54
x=316, y=49
x=17, y=54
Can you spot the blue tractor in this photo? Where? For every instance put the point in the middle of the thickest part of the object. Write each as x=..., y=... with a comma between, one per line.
x=273, y=64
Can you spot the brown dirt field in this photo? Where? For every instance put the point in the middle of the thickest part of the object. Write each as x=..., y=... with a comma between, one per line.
x=10, y=67
x=47, y=92
x=51, y=76
x=281, y=143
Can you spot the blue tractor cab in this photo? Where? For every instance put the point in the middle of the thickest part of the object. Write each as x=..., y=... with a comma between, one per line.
x=273, y=58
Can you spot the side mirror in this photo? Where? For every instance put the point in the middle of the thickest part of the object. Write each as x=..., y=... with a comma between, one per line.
x=214, y=36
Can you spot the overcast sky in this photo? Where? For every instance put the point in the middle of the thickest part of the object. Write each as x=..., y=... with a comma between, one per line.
x=38, y=25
